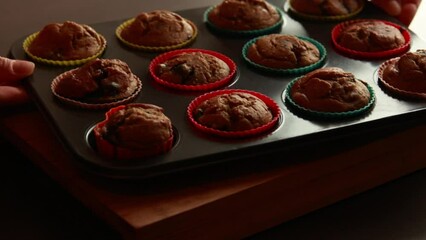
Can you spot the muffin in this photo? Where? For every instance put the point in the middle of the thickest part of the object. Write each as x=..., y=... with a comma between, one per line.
x=159, y=30
x=284, y=52
x=405, y=75
x=370, y=38
x=330, y=90
x=253, y=17
x=67, y=43
x=192, y=69
x=326, y=9
x=134, y=131
x=99, y=83
x=233, y=113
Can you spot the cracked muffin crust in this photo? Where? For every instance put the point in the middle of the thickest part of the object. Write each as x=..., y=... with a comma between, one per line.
x=283, y=51
x=193, y=68
x=330, y=89
x=236, y=111
x=243, y=15
x=158, y=28
x=371, y=36
x=407, y=72
x=98, y=81
x=66, y=41
x=134, y=131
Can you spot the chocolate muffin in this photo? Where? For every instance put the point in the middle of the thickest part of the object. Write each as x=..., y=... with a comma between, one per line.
x=98, y=81
x=407, y=73
x=134, y=131
x=236, y=111
x=370, y=36
x=160, y=28
x=326, y=7
x=193, y=68
x=283, y=51
x=66, y=41
x=330, y=89
x=244, y=15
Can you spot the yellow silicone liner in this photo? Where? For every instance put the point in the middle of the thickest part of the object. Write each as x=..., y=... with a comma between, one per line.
x=125, y=24
x=27, y=42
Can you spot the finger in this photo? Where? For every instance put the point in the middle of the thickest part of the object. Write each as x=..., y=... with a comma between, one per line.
x=10, y=96
x=391, y=7
x=13, y=70
x=408, y=12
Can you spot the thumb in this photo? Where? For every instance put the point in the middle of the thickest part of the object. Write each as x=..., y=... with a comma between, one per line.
x=13, y=70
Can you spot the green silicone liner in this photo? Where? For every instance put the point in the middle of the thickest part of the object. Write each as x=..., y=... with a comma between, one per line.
x=292, y=71
x=246, y=33
x=328, y=115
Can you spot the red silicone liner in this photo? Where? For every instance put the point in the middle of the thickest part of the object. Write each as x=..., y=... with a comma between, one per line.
x=203, y=87
x=396, y=91
x=337, y=30
x=113, y=152
x=272, y=105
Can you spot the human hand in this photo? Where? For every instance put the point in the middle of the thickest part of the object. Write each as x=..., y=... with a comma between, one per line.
x=11, y=72
x=404, y=10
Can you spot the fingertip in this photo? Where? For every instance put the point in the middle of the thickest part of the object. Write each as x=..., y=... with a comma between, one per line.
x=22, y=68
x=408, y=12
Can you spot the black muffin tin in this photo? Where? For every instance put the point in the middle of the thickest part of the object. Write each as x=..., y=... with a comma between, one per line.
x=193, y=149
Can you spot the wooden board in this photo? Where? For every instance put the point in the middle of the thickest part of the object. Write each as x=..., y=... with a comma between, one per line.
x=226, y=202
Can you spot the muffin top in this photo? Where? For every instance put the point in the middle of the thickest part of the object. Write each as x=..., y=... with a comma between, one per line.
x=66, y=41
x=371, y=36
x=326, y=7
x=243, y=15
x=407, y=72
x=159, y=28
x=233, y=112
x=283, y=51
x=330, y=89
x=98, y=81
x=137, y=126
x=193, y=68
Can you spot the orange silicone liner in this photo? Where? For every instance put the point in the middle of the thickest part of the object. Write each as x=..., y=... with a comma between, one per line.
x=113, y=152
x=203, y=87
x=337, y=30
x=396, y=91
x=125, y=24
x=65, y=63
x=85, y=105
x=272, y=105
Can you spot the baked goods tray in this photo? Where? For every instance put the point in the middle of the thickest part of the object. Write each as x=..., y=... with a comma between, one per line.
x=194, y=149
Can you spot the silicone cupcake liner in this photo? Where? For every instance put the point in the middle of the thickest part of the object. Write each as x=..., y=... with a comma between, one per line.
x=125, y=24
x=335, y=18
x=272, y=105
x=113, y=152
x=292, y=71
x=328, y=115
x=243, y=33
x=203, y=87
x=85, y=105
x=337, y=30
x=396, y=91
x=67, y=63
